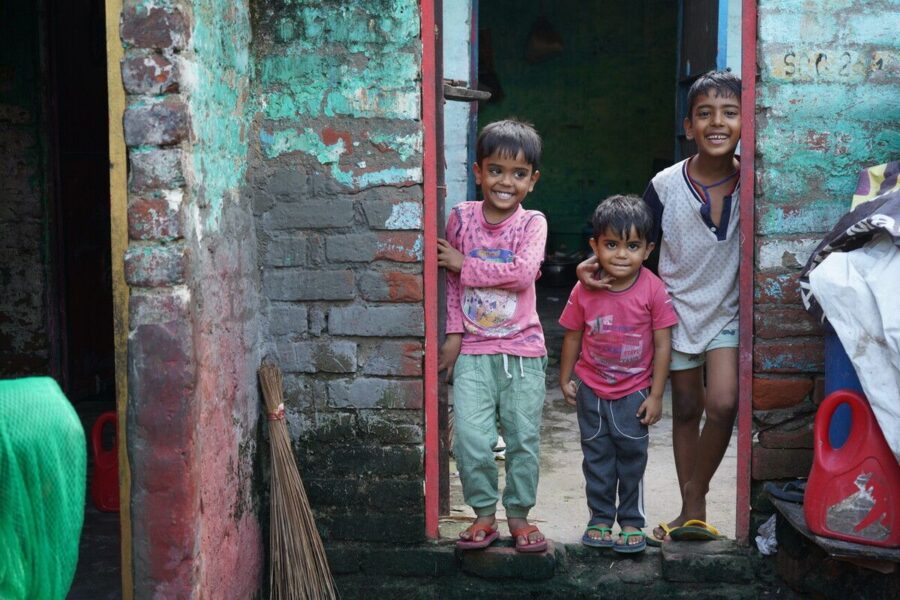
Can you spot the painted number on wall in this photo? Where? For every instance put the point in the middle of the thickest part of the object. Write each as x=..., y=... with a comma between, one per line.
x=826, y=64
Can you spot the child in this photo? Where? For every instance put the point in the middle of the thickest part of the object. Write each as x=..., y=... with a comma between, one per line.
x=495, y=345
x=695, y=206
x=624, y=338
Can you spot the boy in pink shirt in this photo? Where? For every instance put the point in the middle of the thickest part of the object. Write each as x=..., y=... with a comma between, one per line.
x=495, y=345
x=618, y=341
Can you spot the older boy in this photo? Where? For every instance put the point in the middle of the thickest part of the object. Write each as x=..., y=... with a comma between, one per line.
x=620, y=337
x=695, y=204
x=495, y=344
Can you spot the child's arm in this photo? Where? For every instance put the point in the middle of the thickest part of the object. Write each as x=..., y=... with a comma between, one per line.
x=515, y=275
x=570, y=349
x=454, y=326
x=651, y=408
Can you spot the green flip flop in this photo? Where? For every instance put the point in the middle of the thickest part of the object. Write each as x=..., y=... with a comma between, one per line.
x=628, y=548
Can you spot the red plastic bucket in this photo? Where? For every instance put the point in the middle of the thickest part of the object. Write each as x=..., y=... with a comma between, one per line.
x=853, y=492
x=105, y=476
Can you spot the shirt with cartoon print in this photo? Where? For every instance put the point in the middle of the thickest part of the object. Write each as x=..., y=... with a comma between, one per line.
x=492, y=300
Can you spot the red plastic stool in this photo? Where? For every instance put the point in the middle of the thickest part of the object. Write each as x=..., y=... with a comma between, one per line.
x=105, y=478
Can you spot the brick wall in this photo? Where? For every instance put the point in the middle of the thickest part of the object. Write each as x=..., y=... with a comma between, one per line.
x=826, y=108
x=193, y=339
x=24, y=223
x=336, y=182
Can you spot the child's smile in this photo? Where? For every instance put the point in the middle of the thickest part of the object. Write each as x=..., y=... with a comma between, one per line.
x=619, y=257
x=714, y=124
x=504, y=181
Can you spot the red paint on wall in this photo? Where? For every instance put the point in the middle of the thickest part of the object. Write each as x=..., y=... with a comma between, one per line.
x=330, y=137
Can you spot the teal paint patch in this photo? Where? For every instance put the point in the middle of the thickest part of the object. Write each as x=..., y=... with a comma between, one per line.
x=218, y=102
x=405, y=215
x=404, y=145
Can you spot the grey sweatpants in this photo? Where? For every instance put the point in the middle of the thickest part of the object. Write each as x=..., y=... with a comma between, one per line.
x=614, y=443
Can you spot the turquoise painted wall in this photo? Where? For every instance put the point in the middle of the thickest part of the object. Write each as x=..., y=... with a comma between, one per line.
x=827, y=107
x=605, y=106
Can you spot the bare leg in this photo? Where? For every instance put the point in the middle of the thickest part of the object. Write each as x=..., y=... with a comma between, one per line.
x=687, y=409
x=721, y=409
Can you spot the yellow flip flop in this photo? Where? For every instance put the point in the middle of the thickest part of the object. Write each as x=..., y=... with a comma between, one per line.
x=695, y=530
x=654, y=541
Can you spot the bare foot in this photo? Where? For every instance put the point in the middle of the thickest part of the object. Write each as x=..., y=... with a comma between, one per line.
x=606, y=536
x=632, y=540
x=480, y=534
x=533, y=538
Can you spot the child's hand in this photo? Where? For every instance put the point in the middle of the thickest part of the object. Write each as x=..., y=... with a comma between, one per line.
x=569, y=390
x=449, y=257
x=651, y=410
x=449, y=354
x=589, y=272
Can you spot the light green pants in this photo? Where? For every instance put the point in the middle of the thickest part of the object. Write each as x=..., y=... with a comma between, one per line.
x=486, y=386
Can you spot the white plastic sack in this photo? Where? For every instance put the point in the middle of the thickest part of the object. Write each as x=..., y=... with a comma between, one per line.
x=859, y=292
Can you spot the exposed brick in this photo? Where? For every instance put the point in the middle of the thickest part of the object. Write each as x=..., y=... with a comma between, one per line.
x=780, y=463
x=336, y=356
x=391, y=286
x=287, y=319
x=717, y=561
x=799, y=355
x=770, y=393
x=310, y=213
x=155, y=218
x=287, y=251
x=370, y=392
x=391, y=426
x=302, y=392
x=403, y=528
x=763, y=419
x=792, y=435
x=818, y=390
x=503, y=562
x=149, y=73
x=152, y=169
x=433, y=561
x=377, y=321
x=351, y=247
x=363, y=460
x=399, y=246
x=394, y=214
x=318, y=320
x=155, y=306
x=155, y=266
x=391, y=358
x=784, y=321
x=364, y=492
x=780, y=253
x=288, y=184
x=156, y=122
x=147, y=26
x=299, y=284
x=343, y=559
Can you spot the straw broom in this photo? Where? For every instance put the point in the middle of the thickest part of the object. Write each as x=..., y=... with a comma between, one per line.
x=299, y=566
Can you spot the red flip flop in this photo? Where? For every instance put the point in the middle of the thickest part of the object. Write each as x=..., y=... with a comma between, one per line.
x=531, y=546
x=490, y=532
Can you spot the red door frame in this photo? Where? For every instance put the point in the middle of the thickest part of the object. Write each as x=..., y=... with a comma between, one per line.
x=748, y=236
x=430, y=108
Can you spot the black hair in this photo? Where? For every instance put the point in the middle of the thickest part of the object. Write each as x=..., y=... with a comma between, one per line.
x=620, y=213
x=507, y=138
x=725, y=83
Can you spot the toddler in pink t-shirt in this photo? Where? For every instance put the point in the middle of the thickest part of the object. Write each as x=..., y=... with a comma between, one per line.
x=618, y=342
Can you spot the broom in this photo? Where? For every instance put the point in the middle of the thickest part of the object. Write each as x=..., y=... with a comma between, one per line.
x=299, y=566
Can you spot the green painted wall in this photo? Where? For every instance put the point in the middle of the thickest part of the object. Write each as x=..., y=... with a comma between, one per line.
x=604, y=106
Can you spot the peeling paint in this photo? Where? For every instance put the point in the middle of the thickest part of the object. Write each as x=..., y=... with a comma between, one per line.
x=405, y=215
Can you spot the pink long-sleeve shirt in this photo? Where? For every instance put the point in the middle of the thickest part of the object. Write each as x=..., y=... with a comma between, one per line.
x=491, y=301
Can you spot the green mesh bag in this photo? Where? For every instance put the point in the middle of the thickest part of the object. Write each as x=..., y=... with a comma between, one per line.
x=43, y=458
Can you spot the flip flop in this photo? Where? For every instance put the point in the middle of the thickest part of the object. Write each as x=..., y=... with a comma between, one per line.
x=695, y=530
x=597, y=542
x=792, y=491
x=531, y=546
x=491, y=534
x=654, y=541
x=627, y=548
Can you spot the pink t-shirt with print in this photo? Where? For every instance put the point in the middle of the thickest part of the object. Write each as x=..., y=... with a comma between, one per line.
x=617, y=342
x=491, y=301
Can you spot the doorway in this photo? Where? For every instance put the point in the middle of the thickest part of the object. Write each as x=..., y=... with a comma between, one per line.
x=604, y=83
x=79, y=206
